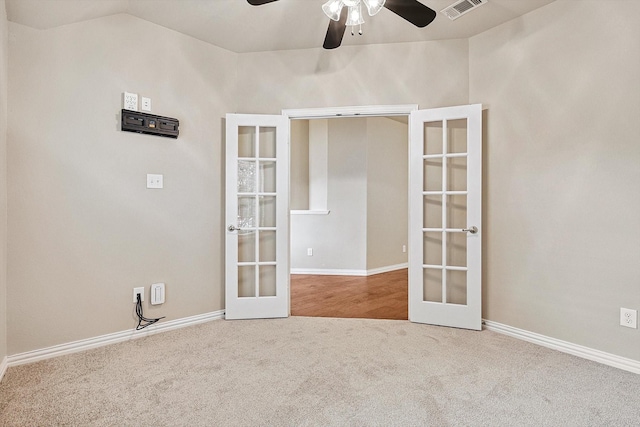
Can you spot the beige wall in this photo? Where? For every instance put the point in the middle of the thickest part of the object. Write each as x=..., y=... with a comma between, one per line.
x=338, y=240
x=299, y=161
x=432, y=74
x=3, y=178
x=83, y=228
x=562, y=170
x=387, y=208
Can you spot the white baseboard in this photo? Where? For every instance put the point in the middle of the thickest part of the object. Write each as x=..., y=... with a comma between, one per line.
x=566, y=347
x=3, y=367
x=387, y=269
x=345, y=272
x=89, y=343
x=328, y=272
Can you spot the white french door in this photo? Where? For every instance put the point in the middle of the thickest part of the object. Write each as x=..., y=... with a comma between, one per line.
x=445, y=234
x=257, y=216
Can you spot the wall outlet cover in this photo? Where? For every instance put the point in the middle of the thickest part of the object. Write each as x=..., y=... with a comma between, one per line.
x=146, y=104
x=155, y=180
x=137, y=291
x=629, y=318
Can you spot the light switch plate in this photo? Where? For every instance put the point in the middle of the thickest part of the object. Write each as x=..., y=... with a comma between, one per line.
x=130, y=101
x=157, y=293
x=154, y=180
x=146, y=104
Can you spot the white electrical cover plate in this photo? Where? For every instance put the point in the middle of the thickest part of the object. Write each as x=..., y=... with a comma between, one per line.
x=137, y=291
x=629, y=318
x=130, y=101
x=154, y=181
x=157, y=293
x=146, y=104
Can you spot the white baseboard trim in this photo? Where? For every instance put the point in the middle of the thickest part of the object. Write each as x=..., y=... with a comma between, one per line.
x=3, y=367
x=566, y=347
x=387, y=269
x=345, y=272
x=116, y=337
x=328, y=272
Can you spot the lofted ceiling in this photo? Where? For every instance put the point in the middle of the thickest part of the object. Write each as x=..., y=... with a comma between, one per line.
x=286, y=24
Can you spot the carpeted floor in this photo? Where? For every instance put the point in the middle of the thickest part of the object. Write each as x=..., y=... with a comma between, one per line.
x=319, y=371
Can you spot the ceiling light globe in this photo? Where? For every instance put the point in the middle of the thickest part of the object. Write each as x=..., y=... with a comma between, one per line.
x=374, y=6
x=333, y=8
x=354, y=17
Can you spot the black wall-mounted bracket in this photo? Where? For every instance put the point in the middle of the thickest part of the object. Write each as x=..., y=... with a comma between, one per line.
x=150, y=124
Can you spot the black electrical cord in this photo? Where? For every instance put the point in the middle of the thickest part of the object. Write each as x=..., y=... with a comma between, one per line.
x=141, y=318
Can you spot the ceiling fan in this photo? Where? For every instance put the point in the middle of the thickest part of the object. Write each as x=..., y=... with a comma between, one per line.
x=340, y=12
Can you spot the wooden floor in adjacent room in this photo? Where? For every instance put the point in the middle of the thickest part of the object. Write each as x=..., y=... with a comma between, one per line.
x=381, y=296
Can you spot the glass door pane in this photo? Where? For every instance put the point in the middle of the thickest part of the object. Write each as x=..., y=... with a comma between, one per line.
x=257, y=212
x=444, y=211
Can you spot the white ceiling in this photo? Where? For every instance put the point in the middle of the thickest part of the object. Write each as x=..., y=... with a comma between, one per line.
x=286, y=24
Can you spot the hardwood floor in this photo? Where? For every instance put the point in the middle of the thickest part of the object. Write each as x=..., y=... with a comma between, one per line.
x=381, y=296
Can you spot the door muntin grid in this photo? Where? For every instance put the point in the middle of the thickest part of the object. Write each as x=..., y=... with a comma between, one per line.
x=256, y=212
x=444, y=212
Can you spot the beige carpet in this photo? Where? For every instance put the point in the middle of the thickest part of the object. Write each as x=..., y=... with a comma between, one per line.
x=319, y=371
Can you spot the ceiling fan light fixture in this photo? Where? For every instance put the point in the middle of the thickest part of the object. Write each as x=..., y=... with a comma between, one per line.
x=333, y=8
x=374, y=6
x=411, y=11
x=355, y=16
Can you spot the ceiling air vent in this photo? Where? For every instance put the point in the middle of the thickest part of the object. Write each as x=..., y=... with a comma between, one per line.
x=461, y=7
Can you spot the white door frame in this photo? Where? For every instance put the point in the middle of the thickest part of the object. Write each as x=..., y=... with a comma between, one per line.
x=354, y=111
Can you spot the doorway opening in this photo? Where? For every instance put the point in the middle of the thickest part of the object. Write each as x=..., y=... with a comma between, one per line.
x=349, y=216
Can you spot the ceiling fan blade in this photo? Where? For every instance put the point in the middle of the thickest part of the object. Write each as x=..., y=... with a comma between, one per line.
x=412, y=10
x=260, y=2
x=335, y=32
